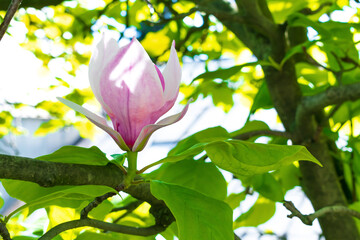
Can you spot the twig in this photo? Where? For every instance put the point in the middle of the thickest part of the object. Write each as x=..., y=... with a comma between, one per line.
x=4, y=233
x=308, y=11
x=176, y=17
x=236, y=237
x=97, y=201
x=147, y=231
x=308, y=219
x=13, y=7
x=129, y=209
x=247, y=135
x=338, y=73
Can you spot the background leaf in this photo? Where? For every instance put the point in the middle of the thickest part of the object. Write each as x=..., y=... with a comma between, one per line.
x=259, y=213
x=65, y=196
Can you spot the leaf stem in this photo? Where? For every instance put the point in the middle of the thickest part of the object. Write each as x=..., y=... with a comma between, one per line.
x=131, y=171
x=149, y=166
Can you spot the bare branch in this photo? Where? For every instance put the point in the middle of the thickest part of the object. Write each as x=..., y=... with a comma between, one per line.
x=309, y=219
x=13, y=7
x=147, y=231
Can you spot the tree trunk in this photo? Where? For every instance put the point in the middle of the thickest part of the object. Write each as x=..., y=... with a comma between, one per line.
x=319, y=183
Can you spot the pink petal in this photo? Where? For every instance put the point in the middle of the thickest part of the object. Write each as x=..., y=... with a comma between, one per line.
x=148, y=130
x=104, y=52
x=131, y=87
x=98, y=121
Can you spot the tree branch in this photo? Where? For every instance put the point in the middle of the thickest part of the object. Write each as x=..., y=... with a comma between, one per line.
x=13, y=7
x=130, y=207
x=97, y=201
x=147, y=231
x=308, y=11
x=38, y=4
x=4, y=233
x=309, y=219
x=176, y=17
x=49, y=174
x=333, y=95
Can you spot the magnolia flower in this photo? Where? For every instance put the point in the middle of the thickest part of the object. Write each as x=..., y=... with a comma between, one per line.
x=132, y=91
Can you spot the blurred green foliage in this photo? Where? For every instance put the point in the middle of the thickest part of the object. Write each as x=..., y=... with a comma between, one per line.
x=330, y=57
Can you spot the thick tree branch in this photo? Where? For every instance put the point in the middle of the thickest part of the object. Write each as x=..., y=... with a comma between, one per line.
x=309, y=219
x=13, y=7
x=333, y=95
x=147, y=231
x=49, y=174
x=4, y=233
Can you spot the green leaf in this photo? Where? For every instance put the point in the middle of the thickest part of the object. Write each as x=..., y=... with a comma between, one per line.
x=204, y=136
x=194, y=144
x=78, y=155
x=169, y=233
x=64, y=196
x=249, y=127
x=197, y=175
x=187, y=154
x=225, y=73
x=24, y=238
x=197, y=216
x=259, y=213
x=268, y=186
x=262, y=99
x=247, y=159
x=296, y=49
x=101, y=210
x=118, y=159
x=1, y=201
x=235, y=199
x=221, y=93
x=288, y=177
x=300, y=20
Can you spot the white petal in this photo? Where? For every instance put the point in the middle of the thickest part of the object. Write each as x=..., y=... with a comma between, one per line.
x=98, y=121
x=172, y=75
x=102, y=54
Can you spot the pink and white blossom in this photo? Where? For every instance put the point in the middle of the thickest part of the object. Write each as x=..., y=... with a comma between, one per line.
x=133, y=92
